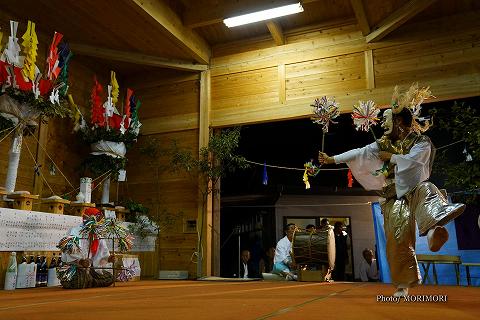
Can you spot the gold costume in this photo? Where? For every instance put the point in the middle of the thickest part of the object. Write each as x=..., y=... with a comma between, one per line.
x=424, y=205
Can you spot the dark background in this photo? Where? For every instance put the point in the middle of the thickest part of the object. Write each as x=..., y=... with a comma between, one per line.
x=247, y=203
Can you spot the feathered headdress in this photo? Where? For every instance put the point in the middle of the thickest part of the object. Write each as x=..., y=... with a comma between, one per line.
x=412, y=100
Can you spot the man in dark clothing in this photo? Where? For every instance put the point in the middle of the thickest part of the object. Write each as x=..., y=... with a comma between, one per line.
x=341, y=252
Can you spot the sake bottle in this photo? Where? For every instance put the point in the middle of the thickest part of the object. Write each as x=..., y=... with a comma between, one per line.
x=11, y=274
x=52, y=273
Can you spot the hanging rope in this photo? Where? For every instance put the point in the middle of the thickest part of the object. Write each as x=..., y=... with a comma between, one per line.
x=287, y=168
x=331, y=169
x=451, y=144
x=38, y=168
x=13, y=129
x=45, y=150
x=78, y=188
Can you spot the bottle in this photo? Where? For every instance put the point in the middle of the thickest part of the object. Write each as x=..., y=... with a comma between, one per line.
x=52, y=279
x=11, y=274
x=32, y=269
x=38, y=277
x=43, y=272
x=59, y=262
x=53, y=262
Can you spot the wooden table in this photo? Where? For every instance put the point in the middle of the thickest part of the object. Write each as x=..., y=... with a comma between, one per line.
x=432, y=259
x=467, y=269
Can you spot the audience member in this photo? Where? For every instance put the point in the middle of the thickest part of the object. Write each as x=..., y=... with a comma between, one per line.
x=310, y=228
x=282, y=262
x=266, y=263
x=245, y=268
x=341, y=252
x=368, y=267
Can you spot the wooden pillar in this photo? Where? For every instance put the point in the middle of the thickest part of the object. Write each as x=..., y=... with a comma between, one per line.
x=282, y=90
x=369, y=69
x=204, y=220
x=40, y=158
x=216, y=231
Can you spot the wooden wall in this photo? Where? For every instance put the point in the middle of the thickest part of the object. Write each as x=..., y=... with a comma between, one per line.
x=165, y=108
x=253, y=82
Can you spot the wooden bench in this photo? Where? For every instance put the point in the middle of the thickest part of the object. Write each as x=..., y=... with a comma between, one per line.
x=432, y=259
x=467, y=269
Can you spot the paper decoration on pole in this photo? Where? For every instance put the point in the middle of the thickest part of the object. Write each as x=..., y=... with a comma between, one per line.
x=324, y=111
x=53, y=68
x=364, y=115
x=30, y=47
x=25, y=94
x=110, y=133
x=98, y=117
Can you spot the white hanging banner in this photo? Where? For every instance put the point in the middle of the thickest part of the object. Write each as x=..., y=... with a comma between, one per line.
x=22, y=230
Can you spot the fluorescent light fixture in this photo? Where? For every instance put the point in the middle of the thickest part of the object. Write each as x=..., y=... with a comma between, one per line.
x=264, y=15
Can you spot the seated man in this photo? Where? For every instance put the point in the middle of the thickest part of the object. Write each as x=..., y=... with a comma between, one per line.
x=368, y=267
x=282, y=262
x=82, y=252
x=246, y=268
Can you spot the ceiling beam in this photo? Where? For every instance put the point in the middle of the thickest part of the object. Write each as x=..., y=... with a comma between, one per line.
x=359, y=10
x=135, y=58
x=397, y=18
x=168, y=22
x=201, y=15
x=276, y=31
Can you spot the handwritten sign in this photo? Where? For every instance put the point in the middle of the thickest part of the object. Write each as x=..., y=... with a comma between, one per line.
x=22, y=230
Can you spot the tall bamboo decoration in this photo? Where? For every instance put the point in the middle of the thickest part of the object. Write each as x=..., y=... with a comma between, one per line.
x=110, y=133
x=25, y=94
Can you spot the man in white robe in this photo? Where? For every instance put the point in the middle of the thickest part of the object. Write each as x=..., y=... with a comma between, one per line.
x=407, y=195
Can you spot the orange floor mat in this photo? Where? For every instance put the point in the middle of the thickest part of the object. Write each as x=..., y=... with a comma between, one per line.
x=198, y=300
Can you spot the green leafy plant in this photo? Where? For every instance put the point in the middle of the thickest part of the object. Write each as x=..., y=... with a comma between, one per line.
x=47, y=108
x=99, y=164
x=213, y=162
x=461, y=172
x=95, y=134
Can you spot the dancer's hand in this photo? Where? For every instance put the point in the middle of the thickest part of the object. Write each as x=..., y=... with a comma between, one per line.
x=385, y=156
x=323, y=158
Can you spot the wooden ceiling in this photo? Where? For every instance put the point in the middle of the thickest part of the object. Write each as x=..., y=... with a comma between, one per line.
x=181, y=34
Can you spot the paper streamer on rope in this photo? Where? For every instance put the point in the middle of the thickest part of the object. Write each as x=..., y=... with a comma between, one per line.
x=265, y=176
x=311, y=170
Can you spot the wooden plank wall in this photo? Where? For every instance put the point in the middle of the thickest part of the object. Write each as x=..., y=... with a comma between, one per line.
x=169, y=113
x=249, y=84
